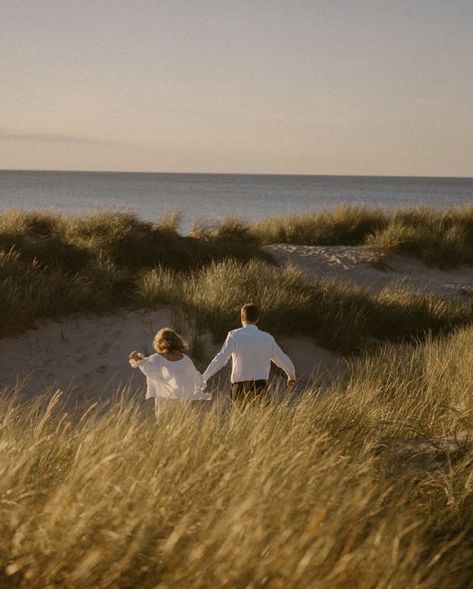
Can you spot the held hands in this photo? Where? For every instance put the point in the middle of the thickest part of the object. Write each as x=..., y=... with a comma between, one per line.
x=135, y=356
x=291, y=383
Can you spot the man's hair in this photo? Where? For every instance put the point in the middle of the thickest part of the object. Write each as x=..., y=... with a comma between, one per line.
x=249, y=313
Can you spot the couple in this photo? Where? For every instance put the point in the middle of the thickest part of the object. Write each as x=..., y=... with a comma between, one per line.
x=171, y=375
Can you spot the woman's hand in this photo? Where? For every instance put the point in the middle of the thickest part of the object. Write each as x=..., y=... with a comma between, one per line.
x=135, y=356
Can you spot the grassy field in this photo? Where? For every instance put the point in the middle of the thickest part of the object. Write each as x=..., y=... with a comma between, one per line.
x=365, y=486
x=53, y=266
x=368, y=487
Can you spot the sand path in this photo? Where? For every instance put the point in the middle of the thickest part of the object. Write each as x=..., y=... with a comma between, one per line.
x=88, y=356
x=356, y=264
x=83, y=354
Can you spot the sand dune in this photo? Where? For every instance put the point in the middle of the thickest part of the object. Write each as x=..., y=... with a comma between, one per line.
x=88, y=356
x=360, y=266
x=83, y=354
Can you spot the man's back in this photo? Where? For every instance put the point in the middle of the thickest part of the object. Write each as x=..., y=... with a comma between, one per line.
x=251, y=351
x=252, y=354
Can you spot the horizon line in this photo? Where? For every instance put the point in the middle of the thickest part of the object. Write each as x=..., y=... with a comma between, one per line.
x=231, y=173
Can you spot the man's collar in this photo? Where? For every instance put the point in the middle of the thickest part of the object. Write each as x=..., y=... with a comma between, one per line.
x=250, y=325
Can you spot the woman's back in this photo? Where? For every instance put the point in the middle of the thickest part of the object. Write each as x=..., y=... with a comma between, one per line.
x=171, y=379
x=170, y=374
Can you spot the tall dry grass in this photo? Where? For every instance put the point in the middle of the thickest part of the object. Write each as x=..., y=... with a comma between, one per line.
x=368, y=486
x=53, y=265
x=345, y=225
x=438, y=237
x=338, y=316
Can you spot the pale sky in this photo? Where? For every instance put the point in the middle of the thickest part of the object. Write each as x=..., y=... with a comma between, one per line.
x=289, y=87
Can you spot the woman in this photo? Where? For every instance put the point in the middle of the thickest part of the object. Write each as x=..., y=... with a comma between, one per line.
x=170, y=374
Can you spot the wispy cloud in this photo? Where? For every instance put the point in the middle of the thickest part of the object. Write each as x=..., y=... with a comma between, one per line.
x=41, y=137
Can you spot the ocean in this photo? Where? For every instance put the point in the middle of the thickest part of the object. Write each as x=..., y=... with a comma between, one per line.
x=215, y=196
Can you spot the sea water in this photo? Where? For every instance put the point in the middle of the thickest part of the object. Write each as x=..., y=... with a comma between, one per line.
x=216, y=196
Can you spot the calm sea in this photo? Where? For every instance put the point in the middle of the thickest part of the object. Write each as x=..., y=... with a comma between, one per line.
x=215, y=196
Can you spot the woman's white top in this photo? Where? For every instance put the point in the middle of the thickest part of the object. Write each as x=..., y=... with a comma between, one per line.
x=168, y=379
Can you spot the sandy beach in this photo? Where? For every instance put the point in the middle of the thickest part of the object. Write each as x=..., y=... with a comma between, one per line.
x=358, y=265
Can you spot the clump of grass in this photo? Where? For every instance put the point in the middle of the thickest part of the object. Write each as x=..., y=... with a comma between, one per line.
x=70, y=243
x=442, y=238
x=400, y=313
x=231, y=238
x=307, y=494
x=410, y=391
x=438, y=238
x=215, y=294
x=132, y=243
x=28, y=294
x=170, y=222
x=231, y=229
x=158, y=286
x=54, y=265
x=40, y=237
x=33, y=223
x=346, y=225
x=339, y=316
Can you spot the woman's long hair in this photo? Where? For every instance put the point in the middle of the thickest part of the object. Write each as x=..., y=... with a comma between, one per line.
x=168, y=341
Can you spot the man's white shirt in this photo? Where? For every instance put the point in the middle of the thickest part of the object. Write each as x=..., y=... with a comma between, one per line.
x=252, y=352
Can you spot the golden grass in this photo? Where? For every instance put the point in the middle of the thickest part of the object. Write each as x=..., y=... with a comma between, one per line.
x=338, y=316
x=328, y=492
x=345, y=225
x=365, y=486
x=438, y=237
x=53, y=265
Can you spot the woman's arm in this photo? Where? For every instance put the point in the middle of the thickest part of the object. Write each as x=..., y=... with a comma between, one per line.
x=148, y=366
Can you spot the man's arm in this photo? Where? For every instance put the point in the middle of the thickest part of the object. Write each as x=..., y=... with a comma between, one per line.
x=284, y=362
x=221, y=358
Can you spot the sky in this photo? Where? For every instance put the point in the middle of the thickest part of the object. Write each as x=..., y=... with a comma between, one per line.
x=284, y=87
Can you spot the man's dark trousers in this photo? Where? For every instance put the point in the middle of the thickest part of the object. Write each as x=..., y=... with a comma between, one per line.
x=248, y=390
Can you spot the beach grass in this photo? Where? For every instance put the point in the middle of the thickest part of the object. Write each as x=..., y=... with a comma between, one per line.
x=53, y=266
x=117, y=263
x=338, y=316
x=442, y=238
x=73, y=244
x=367, y=486
x=345, y=225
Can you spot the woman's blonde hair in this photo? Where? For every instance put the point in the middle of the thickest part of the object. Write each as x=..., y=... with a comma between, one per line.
x=167, y=340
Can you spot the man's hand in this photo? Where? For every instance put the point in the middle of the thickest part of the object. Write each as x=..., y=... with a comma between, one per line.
x=135, y=356
x=291, y=383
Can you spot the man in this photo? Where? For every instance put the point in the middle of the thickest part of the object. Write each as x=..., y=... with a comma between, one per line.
x=252, y=352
